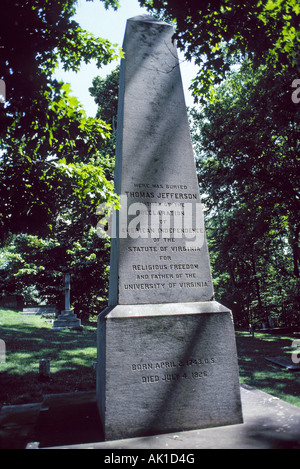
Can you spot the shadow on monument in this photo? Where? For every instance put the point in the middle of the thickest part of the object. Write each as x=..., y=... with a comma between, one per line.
x=171, y=412
x=70, y=424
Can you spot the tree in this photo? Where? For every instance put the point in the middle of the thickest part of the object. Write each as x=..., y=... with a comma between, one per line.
x=36, y=266
x=52, y=174
x=33, y=189
x=35, y=36
x=105, y=92
x=221, y=32
x=246, y=137
x=41, y=122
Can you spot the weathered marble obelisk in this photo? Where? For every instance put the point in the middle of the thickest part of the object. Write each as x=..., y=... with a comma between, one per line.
x=166, y=349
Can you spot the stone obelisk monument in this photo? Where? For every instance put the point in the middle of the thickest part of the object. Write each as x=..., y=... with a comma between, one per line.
x=166, y=349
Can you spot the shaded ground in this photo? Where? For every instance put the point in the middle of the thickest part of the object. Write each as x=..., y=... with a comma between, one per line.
x=30, y=339
x=67, y=418
x=256, y=371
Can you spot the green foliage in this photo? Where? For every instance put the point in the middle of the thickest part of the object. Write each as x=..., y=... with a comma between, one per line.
x=35, y=36
x=28, y=266
x=35, y=264
x=72, y=134
x=105, y=92
x=36, y=267
x=42, y=125
x=88, y=186
x=217, y=34
x=30, y=339
x=34, y=181
x=53, y=171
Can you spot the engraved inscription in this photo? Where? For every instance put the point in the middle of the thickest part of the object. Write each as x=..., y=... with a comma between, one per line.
x=168, y=262
x=161, y=195
x=165, y=371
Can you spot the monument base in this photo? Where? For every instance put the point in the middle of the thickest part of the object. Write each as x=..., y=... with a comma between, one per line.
x=67, y=320
x=165, y=368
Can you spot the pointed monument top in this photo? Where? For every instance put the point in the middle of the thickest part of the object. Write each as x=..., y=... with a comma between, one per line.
x=155, y=165
x=148, y=19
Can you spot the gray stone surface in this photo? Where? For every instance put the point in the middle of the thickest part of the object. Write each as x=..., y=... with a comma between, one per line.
x=269, y=423
x=69, y=421
x=43, y=310
x=166, y=372
x=166, y=350
x=44, y=368
x=67, y=318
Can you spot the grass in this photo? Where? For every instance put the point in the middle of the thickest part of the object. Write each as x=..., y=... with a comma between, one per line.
x=29, y=339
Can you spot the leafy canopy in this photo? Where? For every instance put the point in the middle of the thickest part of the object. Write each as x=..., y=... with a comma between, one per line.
x=35, y=36
x=43, y=128
x=248, y=166
x=220, y=32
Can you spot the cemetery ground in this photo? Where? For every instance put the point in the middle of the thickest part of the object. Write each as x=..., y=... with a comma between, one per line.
x=30, y=338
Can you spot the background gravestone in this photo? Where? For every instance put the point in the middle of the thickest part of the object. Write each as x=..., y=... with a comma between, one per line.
x=67, y=318
x=166, y=350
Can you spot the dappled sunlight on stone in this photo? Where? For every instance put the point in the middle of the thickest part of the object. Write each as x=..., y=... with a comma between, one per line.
x=166, y=350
